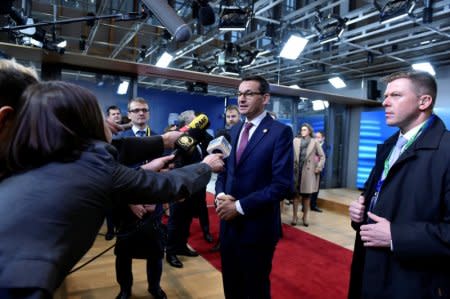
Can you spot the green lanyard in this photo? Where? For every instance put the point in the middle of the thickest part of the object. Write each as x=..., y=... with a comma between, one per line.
x=405, y=147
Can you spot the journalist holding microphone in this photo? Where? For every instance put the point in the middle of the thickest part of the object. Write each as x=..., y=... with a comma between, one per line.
x=61, y=174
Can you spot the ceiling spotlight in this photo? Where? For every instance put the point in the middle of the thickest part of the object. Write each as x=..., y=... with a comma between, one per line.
x=230, y=69
x=293, y=47
x=233, y=19
x=337, y=82
x=394, y=10
x=425, y=67
x=330, y=29
x=123, y=87
x=164, y=60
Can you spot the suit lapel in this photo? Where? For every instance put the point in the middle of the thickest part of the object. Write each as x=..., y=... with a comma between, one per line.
x=257, y=136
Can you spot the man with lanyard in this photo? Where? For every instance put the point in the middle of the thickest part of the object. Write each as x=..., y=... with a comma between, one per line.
x=402, y=218
x=145, y=242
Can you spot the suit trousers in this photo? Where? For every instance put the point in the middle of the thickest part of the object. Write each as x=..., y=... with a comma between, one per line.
x=246, y=269
x=124, y=274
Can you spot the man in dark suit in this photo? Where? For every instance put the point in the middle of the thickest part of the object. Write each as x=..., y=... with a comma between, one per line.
x=147, y=241
x=259, y=174
x=181, y=213
x=402, y=218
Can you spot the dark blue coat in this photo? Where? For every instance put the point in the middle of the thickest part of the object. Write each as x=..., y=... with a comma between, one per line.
x=262, y=179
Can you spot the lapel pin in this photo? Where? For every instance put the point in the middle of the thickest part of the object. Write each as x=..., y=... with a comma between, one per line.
x=265, y=131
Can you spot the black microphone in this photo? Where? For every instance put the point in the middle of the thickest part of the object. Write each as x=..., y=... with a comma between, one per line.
x=193, y=134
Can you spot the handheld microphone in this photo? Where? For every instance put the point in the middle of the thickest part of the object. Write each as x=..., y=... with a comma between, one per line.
x=199, y=122
x=219, y=145
x=193, y=134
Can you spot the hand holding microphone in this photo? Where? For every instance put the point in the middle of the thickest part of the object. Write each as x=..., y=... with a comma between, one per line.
x=215, y=162
x=193, y=133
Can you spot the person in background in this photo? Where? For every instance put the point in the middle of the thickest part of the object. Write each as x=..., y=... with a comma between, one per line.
x=259, y=174
x=309, y=160
x=181, y=213
x=402, y=217
x=113, y=114
x=139, y=113
x=147, y=241
x=61, y=174
x=320, y=138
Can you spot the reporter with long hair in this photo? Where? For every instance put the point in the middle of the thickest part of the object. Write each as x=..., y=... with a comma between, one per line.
x=62, y=174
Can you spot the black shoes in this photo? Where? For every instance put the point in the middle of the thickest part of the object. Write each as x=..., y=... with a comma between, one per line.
x=158, y=293
x=316, y=209
x=208, y=238
x=216, y=247
x=174, y=261
x=109, y=236
x=124, y=294
x=186, y=252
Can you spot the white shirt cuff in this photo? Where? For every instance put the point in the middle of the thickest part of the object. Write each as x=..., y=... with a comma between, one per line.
x=239, y=208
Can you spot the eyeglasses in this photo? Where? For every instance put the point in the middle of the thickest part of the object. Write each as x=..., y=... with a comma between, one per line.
x=248, y=94
x=137, y=110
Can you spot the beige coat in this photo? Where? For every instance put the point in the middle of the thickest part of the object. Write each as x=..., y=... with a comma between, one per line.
x=314, y=163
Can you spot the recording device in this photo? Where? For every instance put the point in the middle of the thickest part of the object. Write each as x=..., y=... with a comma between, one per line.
x=219, y=145
x=201, y=122
x=193, y=134
x=169, y=19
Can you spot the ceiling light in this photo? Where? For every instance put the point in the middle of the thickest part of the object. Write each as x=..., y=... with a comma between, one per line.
x=293, y=47
x=123, y=87
x=61, y=43
x=395, y=10
x=164, y=60
x=330, y=29
x=318, y=105
x=424, y=66
x=230, y=69
x=233, y=19
x=337, y=82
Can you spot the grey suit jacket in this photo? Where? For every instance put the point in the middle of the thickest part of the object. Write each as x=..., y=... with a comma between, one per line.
x=50, y=216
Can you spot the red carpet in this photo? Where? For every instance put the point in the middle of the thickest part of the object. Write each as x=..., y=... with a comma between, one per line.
x=304, y=266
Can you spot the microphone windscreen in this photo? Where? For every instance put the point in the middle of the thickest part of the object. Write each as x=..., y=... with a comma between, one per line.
x=206, y=15
x=219, y=145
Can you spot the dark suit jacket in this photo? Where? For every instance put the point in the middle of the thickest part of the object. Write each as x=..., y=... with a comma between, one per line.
x=132, y=150
x=415, y=198
x=50, y=216
x=263, y=177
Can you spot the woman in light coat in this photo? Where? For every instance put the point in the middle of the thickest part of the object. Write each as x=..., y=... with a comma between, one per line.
x=309, y=160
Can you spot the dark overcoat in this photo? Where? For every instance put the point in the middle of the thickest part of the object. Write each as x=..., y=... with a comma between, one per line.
x=415, y=198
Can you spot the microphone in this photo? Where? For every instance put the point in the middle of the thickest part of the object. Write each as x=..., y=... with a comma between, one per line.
x=193, y=134
x=201, y=121
x=219, y=145
x=169, y=19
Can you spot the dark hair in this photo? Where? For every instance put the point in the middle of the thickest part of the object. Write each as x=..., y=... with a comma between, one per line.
x=12, y=84
x=57, y=121
x=310, y=128
x=423, y=82
x=264, y=86
x=113, y=107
